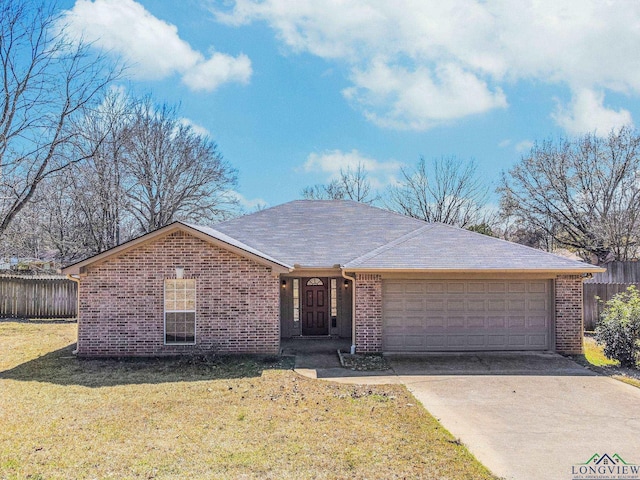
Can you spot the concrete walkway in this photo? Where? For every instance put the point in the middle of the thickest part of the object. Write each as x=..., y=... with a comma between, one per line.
x=524, y=416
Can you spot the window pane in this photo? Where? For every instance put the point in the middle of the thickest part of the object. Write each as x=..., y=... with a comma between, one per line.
x=296, y=300
x=179, y=304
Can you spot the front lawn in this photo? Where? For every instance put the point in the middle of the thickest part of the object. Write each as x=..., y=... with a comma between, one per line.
x=61, y=417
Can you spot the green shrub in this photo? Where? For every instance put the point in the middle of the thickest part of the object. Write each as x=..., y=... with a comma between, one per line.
x=619, y=327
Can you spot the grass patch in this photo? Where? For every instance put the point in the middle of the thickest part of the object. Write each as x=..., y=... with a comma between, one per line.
x=595, y=357
x=594, y=354
x=630, y=380
x=235, y=417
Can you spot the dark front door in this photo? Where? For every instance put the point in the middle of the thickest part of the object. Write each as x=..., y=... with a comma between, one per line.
x=315, y=307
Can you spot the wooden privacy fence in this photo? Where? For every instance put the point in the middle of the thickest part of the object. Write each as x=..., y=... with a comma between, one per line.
x=38, y=297
x=592, y=307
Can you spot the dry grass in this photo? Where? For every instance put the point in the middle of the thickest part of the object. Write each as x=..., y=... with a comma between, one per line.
x=594, y=355
x=195, y=418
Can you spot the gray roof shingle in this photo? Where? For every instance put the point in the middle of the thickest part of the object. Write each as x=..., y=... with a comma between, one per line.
x=319, y=233
x=325, y=233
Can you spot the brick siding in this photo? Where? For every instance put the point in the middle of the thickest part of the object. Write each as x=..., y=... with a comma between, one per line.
x=122, y=301
x=368, y=313
x=569, y=314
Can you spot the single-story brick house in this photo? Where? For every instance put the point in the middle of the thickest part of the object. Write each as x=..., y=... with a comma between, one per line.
x=388, y=282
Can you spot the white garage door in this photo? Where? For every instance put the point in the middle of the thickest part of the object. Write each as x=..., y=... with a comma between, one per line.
x=457, y=315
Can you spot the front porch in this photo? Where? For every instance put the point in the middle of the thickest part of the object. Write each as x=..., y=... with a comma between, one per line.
x=313, y=353
x=316, y=306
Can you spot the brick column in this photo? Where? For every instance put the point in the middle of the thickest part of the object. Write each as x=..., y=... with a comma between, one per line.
x=368, y=315
x=569, y=323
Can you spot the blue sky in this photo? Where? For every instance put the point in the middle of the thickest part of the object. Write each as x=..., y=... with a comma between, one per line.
x=294, y=90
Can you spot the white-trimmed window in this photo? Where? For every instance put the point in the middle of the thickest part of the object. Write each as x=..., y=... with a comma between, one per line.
x=180, y=311
x=296, y=300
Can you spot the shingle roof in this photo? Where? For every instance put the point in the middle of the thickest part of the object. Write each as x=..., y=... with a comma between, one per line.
x=443, y=247
x=319, y=233
x=325, y=233
x=213, y=233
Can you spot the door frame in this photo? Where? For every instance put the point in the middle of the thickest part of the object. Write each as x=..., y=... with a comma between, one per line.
x=327, y=304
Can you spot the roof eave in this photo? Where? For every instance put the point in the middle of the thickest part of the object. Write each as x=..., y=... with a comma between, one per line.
x=555, y=271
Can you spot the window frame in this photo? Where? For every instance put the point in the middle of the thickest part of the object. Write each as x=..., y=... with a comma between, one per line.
x=333, y=297
x=295, y=285
x=165, y=311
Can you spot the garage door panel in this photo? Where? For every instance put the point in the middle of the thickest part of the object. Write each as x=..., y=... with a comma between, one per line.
x=476, y=322
x=496, y=305
x=476, y=305
x=538, y=287
x=496, y=287
x=497, y=341
x=435, y=287
x=434, y=305
x=441, y=315
x=455, y=304
x=476, y=287
x=476, y=340
x=414, y=305
x=415, y=288
x=454, y=323
x=436, y=342
x=455, y=287
x=496, y=322
x=537, y=322
x=537, y=305
x=394, y=287
x=515, y=322
x=517, y=340
x=435, y=322
x=536, y=341
x=518, y=305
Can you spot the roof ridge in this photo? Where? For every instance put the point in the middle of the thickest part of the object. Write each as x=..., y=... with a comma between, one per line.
x=387, y=246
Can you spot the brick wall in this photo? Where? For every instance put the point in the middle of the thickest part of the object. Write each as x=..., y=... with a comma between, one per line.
x=122, y=301
x=368, y=313
x=569, y=314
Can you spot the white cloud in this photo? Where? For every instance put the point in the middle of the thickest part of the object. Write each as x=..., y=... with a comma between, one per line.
x=396, y=97
x=331, y=162
x=151, y=47
x=220, y=68
x=523, y=146
x=247, y=204
x=587, y=113
x=454, y=56
x=195, y=127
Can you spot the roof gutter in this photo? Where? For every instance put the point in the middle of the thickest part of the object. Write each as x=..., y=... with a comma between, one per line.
x=353, y=310
x=568, y=271
x=77, y=281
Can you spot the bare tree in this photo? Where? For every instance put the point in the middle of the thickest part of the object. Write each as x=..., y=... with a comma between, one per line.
x=353, y=184
x=446, y=191
x=174, y=173
x=48, y=83
x=98, y=182
x=584, y=194
x=329, y=191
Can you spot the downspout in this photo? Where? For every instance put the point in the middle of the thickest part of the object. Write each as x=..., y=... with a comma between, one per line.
x=353, y=310
x=77, y=280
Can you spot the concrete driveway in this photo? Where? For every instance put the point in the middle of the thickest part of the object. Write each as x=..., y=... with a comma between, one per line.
x=524, y=416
